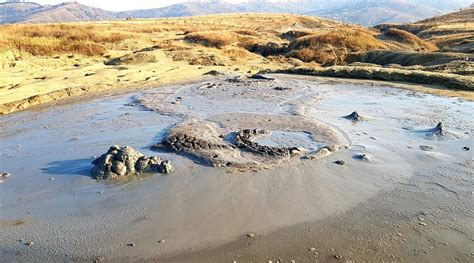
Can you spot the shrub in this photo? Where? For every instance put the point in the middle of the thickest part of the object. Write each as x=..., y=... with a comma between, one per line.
x=268, y=49
x=333, y=46
x=211, y=39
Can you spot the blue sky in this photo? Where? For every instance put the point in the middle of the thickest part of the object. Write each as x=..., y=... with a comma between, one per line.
x=120, y=5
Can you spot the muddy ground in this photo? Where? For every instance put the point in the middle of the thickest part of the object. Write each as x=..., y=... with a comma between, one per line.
x=388, y=189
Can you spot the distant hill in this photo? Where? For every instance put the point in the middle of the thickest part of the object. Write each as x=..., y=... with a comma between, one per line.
x=70, y=12
x=371, y=13
x=364, y=12
x=14, y=12
x=450, y=32
x=65, y=12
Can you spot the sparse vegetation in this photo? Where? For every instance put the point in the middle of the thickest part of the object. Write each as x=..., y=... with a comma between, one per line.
x=333, y=46
x=409, y=38
x=212, y=39
x=136, y=53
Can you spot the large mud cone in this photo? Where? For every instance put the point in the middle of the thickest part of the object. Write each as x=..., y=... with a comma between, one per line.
x=126, y=161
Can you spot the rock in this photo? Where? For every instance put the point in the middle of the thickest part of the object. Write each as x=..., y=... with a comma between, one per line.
x=438, y=130
x=126, y=161
x=354, y=116
x=214, y=73
x=362, y=157
x=119, y=168
x=282, y=88
x=130, y=244
x=261, y=77
x=244, y=139
x=312, y=249
x=426, y=148
x=251, y=235
x=338, y=256
x=340, y=162
x=166, y=167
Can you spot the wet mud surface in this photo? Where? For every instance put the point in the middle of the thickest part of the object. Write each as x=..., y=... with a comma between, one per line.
x=279, y=158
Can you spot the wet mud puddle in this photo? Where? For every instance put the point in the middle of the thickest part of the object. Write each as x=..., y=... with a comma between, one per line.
x=250, y=156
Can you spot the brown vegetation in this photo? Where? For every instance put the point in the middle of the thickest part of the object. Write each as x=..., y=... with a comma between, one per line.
x=451, y=32
x=138, y=53
x=294, y=34
x=212, y=39
x=333, y=46
x=48, y=40
x=409, y=38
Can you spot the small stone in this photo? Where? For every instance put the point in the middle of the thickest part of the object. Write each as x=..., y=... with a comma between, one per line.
x=101, y=192
x=312, y=249
x=465, y=148
x=362, y=156
x=99, y=259
x=338, y=256
x=422, y=223
x=426, y=148
x=130, y=244
x=161, y=241
x=30, y=243
x=340, y=162
x=5, y=175
x=51, y=179
x=251, y=235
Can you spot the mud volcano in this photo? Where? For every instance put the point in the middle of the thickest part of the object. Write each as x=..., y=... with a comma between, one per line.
x=221, y=141
x=257, y=122
x=121, y=162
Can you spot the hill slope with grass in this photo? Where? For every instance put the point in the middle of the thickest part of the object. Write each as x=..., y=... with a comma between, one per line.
x=451, y=32
x=46, y=62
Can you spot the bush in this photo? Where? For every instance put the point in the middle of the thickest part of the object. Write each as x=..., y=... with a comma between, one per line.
x=268, y=49
x=333, y=46
x=211, y=39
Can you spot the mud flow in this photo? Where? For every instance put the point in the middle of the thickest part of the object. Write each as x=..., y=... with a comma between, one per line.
x=268, y=156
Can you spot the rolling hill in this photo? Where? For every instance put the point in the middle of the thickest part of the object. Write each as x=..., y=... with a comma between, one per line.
x=450, y=32
x=364, y=12
x=65, y=12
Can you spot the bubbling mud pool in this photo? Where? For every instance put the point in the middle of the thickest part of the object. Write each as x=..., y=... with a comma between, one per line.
x=280, y=173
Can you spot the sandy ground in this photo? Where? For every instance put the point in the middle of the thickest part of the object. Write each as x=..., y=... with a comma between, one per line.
x=43, y=80
x=403, y=204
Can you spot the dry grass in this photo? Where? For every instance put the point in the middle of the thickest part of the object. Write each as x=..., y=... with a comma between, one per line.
x=333, y=46
x=409, y=38
x=50, y=40
x=294, y=34
x=212, y=39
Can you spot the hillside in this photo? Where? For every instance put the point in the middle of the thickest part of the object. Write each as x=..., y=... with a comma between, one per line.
x=14, y=12
x=364, y=12
x=450, y=32
x=65, y=12
x=376, y=12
